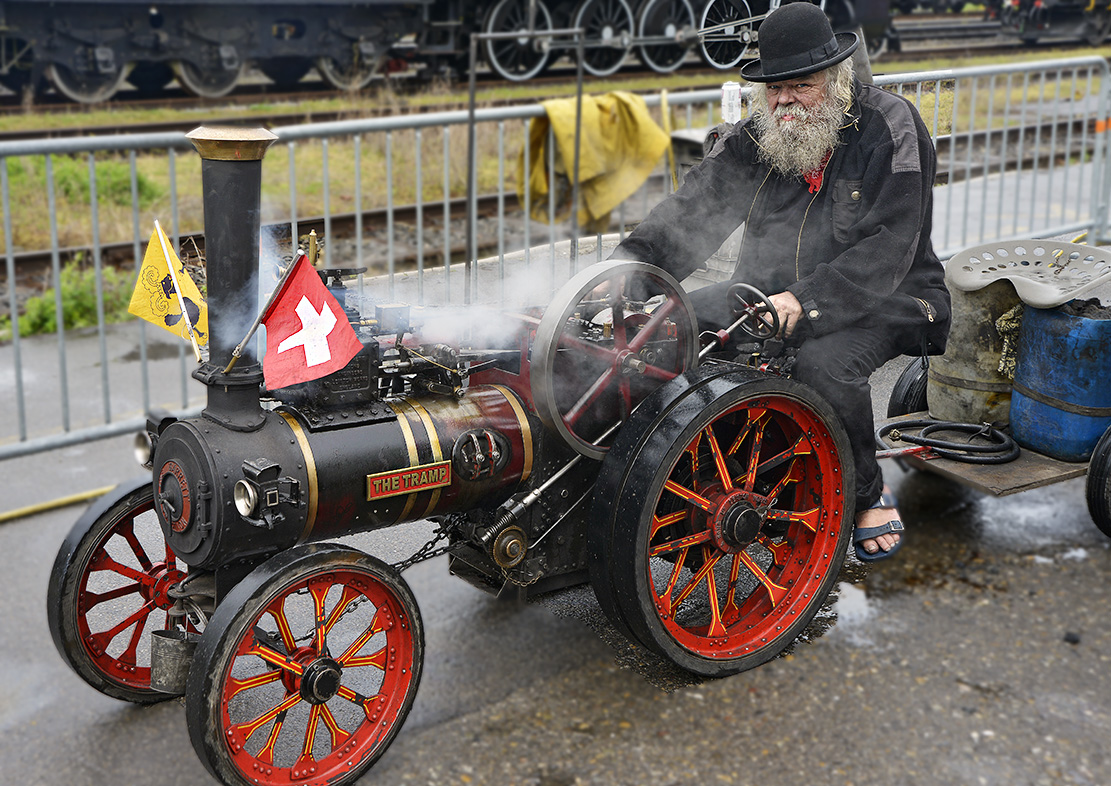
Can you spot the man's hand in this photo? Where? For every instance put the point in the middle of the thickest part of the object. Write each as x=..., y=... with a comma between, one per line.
x=789, y=309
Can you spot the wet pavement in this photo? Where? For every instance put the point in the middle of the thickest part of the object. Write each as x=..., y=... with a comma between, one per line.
x=978, y=656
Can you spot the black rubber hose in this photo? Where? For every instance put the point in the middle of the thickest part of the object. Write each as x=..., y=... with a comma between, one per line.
x=1001, y=450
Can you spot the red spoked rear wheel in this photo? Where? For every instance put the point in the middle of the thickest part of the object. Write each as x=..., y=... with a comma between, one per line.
x=306, y=671
x=110, y=588
x=723, y=528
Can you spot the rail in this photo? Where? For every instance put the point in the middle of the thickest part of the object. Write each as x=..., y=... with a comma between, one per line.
x=1022, y=153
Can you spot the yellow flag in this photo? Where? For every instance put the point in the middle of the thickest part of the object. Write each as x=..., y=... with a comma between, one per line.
x=155, y=298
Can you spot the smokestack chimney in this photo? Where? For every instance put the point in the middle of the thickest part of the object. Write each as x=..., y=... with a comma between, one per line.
x=231, y=178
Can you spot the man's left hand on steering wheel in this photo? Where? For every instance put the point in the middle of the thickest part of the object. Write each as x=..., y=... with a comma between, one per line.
x=789, y=310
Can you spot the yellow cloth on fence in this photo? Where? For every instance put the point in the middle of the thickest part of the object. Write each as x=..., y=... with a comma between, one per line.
x=620, y=145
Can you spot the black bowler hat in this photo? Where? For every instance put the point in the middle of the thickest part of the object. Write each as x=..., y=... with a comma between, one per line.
x=796, y=39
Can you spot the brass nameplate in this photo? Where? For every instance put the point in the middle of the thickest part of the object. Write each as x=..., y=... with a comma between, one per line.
x=410, y=480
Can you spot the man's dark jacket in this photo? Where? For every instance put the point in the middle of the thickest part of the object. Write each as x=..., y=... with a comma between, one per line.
x=856, y=251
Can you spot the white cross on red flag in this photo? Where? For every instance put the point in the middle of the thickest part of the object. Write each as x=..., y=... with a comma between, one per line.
x=307, y=334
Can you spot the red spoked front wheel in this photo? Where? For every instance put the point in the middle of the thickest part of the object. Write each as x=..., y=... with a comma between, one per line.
x=306, y=671
x=110, y=588
x=722, y=526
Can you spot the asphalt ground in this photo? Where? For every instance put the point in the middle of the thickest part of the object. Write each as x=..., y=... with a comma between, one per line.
x=979, y=655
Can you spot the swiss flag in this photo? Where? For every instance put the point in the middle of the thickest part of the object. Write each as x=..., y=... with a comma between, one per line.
x=307, y=334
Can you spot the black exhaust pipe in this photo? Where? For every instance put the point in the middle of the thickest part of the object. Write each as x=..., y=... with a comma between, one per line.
x=231, y=179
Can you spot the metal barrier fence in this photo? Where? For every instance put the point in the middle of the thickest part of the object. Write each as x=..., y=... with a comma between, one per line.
x=1022, y=152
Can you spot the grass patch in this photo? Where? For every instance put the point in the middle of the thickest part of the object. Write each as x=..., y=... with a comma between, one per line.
x=79, y=301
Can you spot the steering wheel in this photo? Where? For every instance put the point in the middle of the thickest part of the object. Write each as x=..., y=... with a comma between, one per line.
x=755, y=313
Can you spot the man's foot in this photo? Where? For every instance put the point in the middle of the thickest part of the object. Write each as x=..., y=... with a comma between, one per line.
x=878, y=529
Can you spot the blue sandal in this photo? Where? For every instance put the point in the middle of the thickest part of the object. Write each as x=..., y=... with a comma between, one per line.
x=886, y=501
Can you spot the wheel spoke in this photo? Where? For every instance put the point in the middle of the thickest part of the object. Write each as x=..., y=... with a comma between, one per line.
x=659, y=522
x=106, y=563
x=682, y=543
x=277, y=611
x=659, y=316
x=335, y=731
x=711, y=559
x=808, y=518
x=266, y=755
x=275, y=658
x=716, y=628
x=310, y=736
x=756, y=419
x=719, y=458
x=731, y=609
x=349, y=594
x=780, y=551
x=376, y=626
x=776, y=592
x=754, y=456
x=318, y=590
x=377, y=660
x=249, y=728
x=690, y=496
x=127, y=531
x=672, y=580
x=93, y=599
x=130, y=654
x=104, y=638
x=800, y=448
x=588, y=348
x=257, y=681
x=583, y=405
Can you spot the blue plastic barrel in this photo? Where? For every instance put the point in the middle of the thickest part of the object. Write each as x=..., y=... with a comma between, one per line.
x=1061, y=402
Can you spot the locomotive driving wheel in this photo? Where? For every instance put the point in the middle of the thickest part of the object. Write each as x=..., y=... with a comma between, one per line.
x=88, y=86
x=520, y=58
x=721, y=518
x=726, y=32
x=306, y=671
x=211, y=80
x=664, y=19
x=109, y=589
x=608, y=25
x=611, y=335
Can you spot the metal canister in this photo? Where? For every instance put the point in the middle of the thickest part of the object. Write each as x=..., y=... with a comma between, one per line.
x=731, y=102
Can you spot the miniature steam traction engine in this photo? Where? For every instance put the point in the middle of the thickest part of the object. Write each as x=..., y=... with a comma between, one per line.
x=704, y=500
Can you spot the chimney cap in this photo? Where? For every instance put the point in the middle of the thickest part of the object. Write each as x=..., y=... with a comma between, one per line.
x=231, y=143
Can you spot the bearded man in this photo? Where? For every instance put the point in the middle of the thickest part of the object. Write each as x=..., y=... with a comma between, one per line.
x=833, y=180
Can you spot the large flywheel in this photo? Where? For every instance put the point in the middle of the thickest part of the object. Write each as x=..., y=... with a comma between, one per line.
x=611, y=335
x=721, y=518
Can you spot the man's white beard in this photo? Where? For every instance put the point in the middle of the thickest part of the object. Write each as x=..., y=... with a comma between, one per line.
x=798, y=146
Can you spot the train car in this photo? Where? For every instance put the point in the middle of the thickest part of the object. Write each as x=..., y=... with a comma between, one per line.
x=88, y=50
x=706, y=500
x=1034, y=20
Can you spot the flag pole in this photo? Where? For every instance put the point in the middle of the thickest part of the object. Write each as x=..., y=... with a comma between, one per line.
x=238, y=351
x=177, y=289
